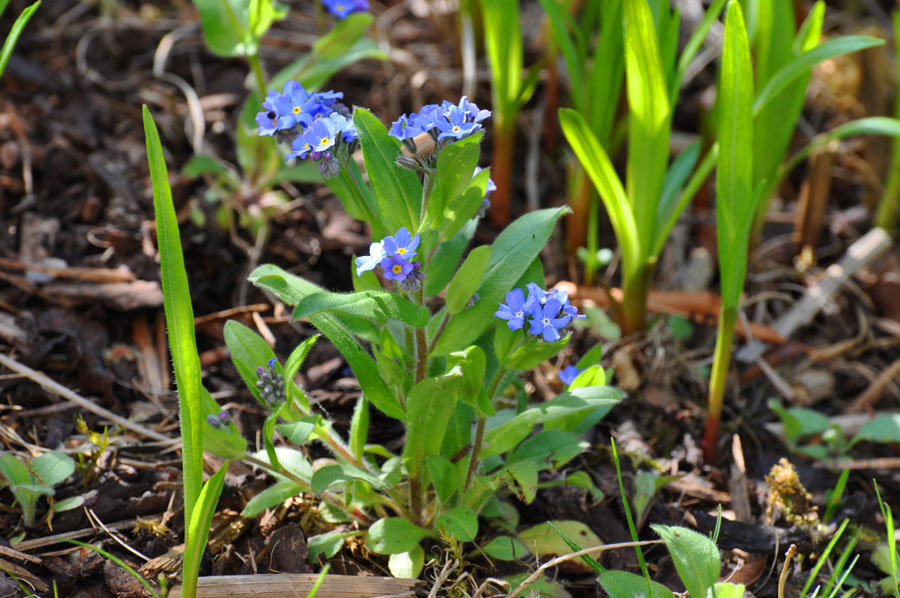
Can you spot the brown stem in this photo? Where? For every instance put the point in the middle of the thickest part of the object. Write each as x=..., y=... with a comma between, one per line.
x=577, y=222
x=501, y=171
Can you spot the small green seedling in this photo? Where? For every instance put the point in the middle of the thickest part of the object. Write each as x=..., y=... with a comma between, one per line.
x=18, y=26
x=30, y=481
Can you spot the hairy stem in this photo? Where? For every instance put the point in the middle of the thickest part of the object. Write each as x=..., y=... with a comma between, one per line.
x=479, y=433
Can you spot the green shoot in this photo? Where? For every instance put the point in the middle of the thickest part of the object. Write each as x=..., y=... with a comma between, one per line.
x=10, y=42
x=736, y=203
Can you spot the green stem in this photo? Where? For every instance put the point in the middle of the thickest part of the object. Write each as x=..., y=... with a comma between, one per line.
x=717, y=382
x=479, y=432
x=256, y=67
x=440, y=331
x=326, y=496
x=635, y=287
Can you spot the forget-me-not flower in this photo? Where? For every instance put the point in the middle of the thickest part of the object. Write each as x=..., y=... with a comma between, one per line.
x=396, y=268
x=403, y=244
x=369, y=262
x=515, y=310
x=545, y=321
x=343, y=8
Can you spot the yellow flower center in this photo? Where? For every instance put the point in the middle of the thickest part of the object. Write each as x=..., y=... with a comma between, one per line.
x=397, y=268
x=456, y=129
x=274, y=122
x=402, y=250
x=324, y=141
x=296, y=109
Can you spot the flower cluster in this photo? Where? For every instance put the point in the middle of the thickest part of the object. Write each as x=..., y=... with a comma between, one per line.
x=342, y=8
x=316, y=124
x=220, y=421
x=549, y=311
x=443, y=121
x=270, y=384
x=394, y=254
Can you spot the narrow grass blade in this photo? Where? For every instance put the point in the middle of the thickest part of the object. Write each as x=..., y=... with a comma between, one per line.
x=117, y=561
x=649, y=120
x=588, y=559
x=823, y=558
x=198, y=531
x=807, y=60
x=179, y=319
x=735, y=208
x=14, y=33
x=693, y=46
x=601, y=171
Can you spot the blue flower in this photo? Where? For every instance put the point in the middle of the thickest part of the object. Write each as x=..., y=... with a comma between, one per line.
x=342, y=8
x=321, y=134
x=405, y=127
x=368, y=262
x=343, y=126
x=301, y=148
x=396, y=268
x=472, y=111
x=403, y=245
x=455, y=124
x=545, y=321
x=295, y=104
x=515, y=309
x=427, y=117
x=271, y=120
x=568, y=374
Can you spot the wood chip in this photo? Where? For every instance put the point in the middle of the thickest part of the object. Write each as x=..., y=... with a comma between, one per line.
x=288, y=585
x=124, y=296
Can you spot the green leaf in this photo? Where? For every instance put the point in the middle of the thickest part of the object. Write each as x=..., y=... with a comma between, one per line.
x=226, y=443
x=298, y=432
x=884, y=428
x=343, y=35
x=453, y=175
x=68, y=504
x=179, y=319
x=525, y=474
x=393, y=535
x=695, y=556
x=533, y=353
x=53, y=468
x=596, y=163
x=430, y=405
x=248, y=351
x=380, y=305
x=803, y=63
x=227, y=24
x=398, y=192
x=407, y=565
x=729, y=590
x=18, y=26
x=15, y=472
x=622, y=584
x=292, y=289
x=543, y=540
x=197, y=530
x=503, y=41
x=465, y=209
x=292, y=366
x=467, y=279
x=460, y=522
x=592, y=357
x=735, y=205
x=507, y=435
x=446, y=258
x=473, y=364
x=327, y=544
x=574, y=547
x=444, y=477
x=694, y=44
x=272, y=496
x=649, y=122
x=326, y=476
x=511, y=254
x=506, y=548
x=359, y=427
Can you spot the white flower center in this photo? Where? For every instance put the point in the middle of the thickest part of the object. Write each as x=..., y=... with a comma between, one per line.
x=546, y=321
x=519, y=314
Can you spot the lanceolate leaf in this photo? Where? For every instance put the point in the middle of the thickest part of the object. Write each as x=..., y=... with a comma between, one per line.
x=735, y=208
x=455, y=165
x=696, y=557
x=10, y=42
x=807, y=60
x=179, y=319
x=649, y=121
x=511, y=254
x=198, y=530
x=248, y=351
x=430, y=405
x=381, y=305
x=398, y=192
x=292, y=289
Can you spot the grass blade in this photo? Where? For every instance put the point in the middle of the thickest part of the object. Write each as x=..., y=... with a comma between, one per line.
x=198, y=531
x=693, y=46
x=10, y=42
x=800, y=65
x=649, y=121
x=179, y=319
